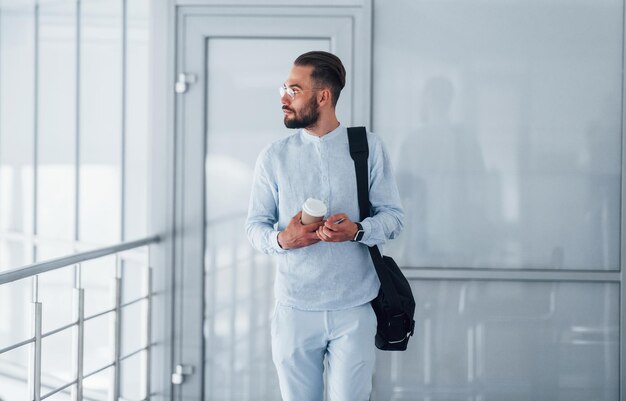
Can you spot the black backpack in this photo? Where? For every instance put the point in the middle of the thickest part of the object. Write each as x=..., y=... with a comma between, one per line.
x=395, y=305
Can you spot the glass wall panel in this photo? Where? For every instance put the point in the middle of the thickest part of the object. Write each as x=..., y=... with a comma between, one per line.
x=98, y=342
x=14, y=375
x=56, y=289
x=507, y=341
x=97, y=280
x=15, y=313
x=132, y=380
x=137, y=103
x=239, y=280
x=64, y=395
x=56, y=121
x=44, y=102
x=134, y=281
x=14, y=253
x=56, y=361
x=98, y=386
x=133, y=327
x=17, y=104
x=505, y=130
x=100, y=121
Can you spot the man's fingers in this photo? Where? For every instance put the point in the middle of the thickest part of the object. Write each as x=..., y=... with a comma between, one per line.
x=333, y=226
x=335, y=222
x=327, y=235
x=320, y=233
x=297, y=217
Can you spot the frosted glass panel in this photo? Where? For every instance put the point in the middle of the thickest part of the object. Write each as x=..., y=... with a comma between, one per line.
x=17, y=57
x=137, y=102
x=132, y=379
x=15, y=312
x=57, y=121
x=100, y=121
x=505, y=127
x=507, y=341
x=14, y=253
x=56, y=366
x=14, y=386
x=98, y=350
x=55, y=289
x=243, y=82
x=98, y=386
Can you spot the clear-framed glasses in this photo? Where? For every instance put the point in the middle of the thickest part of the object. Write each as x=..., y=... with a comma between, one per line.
x=293, y=92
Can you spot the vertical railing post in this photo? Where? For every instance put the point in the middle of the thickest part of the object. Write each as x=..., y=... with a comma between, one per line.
x=34, y=373
x=78, y=336
x=117, y=328
x=148, y=335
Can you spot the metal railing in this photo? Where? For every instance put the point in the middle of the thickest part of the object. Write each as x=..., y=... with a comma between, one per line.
x=75, y=386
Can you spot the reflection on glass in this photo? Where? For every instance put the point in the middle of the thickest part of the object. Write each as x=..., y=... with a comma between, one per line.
x=507, y=141
x=441, y=173
x=507, y=341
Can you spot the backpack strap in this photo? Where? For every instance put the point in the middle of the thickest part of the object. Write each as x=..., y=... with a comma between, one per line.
x=359, y=151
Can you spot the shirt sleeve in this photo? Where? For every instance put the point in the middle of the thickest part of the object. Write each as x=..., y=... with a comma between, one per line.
x=263, y=208
x=387, y=219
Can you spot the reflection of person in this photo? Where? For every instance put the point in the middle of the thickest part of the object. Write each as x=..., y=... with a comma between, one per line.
x=325, y=278
x=442, y=176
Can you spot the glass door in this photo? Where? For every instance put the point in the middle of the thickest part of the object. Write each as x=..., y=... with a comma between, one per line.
x=228, y=109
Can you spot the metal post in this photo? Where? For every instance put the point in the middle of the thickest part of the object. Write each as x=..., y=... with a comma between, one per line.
x=148, y=340
x=34, y=373
x=117, y=328
x=78, y=337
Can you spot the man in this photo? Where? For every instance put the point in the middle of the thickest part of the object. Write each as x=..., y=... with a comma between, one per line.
x=325, y=278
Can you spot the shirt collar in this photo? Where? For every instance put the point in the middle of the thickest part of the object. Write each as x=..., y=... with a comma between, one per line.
x=307, y=136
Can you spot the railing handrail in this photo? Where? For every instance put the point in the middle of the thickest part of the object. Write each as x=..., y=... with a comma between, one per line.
x=53, y=264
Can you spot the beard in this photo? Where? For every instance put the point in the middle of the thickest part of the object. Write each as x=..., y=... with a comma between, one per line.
x=305, y=117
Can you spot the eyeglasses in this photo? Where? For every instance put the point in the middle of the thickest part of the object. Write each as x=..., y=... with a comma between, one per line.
x=293, y=92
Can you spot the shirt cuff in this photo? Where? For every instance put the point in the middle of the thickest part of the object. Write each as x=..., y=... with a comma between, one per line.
x=274, y=242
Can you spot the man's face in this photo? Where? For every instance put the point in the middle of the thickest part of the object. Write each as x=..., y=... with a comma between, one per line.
x=302, y=110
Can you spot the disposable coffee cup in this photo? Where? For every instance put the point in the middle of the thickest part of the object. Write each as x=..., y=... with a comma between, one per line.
x=313, y=211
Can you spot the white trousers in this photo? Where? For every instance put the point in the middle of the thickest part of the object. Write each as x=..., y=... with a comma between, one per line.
x=302, y=339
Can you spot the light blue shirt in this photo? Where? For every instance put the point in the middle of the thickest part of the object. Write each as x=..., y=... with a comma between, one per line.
x=325, y=275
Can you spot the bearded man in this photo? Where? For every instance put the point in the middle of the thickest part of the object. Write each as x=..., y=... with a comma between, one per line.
x=325, y=278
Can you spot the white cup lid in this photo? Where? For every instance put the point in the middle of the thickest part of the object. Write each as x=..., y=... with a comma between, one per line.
x=314, y=207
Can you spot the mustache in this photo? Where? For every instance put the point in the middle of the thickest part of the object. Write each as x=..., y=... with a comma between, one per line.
x=287, y=108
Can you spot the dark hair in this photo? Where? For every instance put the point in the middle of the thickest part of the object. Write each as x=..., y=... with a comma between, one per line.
x=327, y=70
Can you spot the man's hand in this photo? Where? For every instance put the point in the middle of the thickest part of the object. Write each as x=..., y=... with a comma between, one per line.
x=298, y=235
x=338, y=228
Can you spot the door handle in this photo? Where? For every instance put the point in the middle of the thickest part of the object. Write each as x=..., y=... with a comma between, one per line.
x=184, y=80
x=178, y=377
